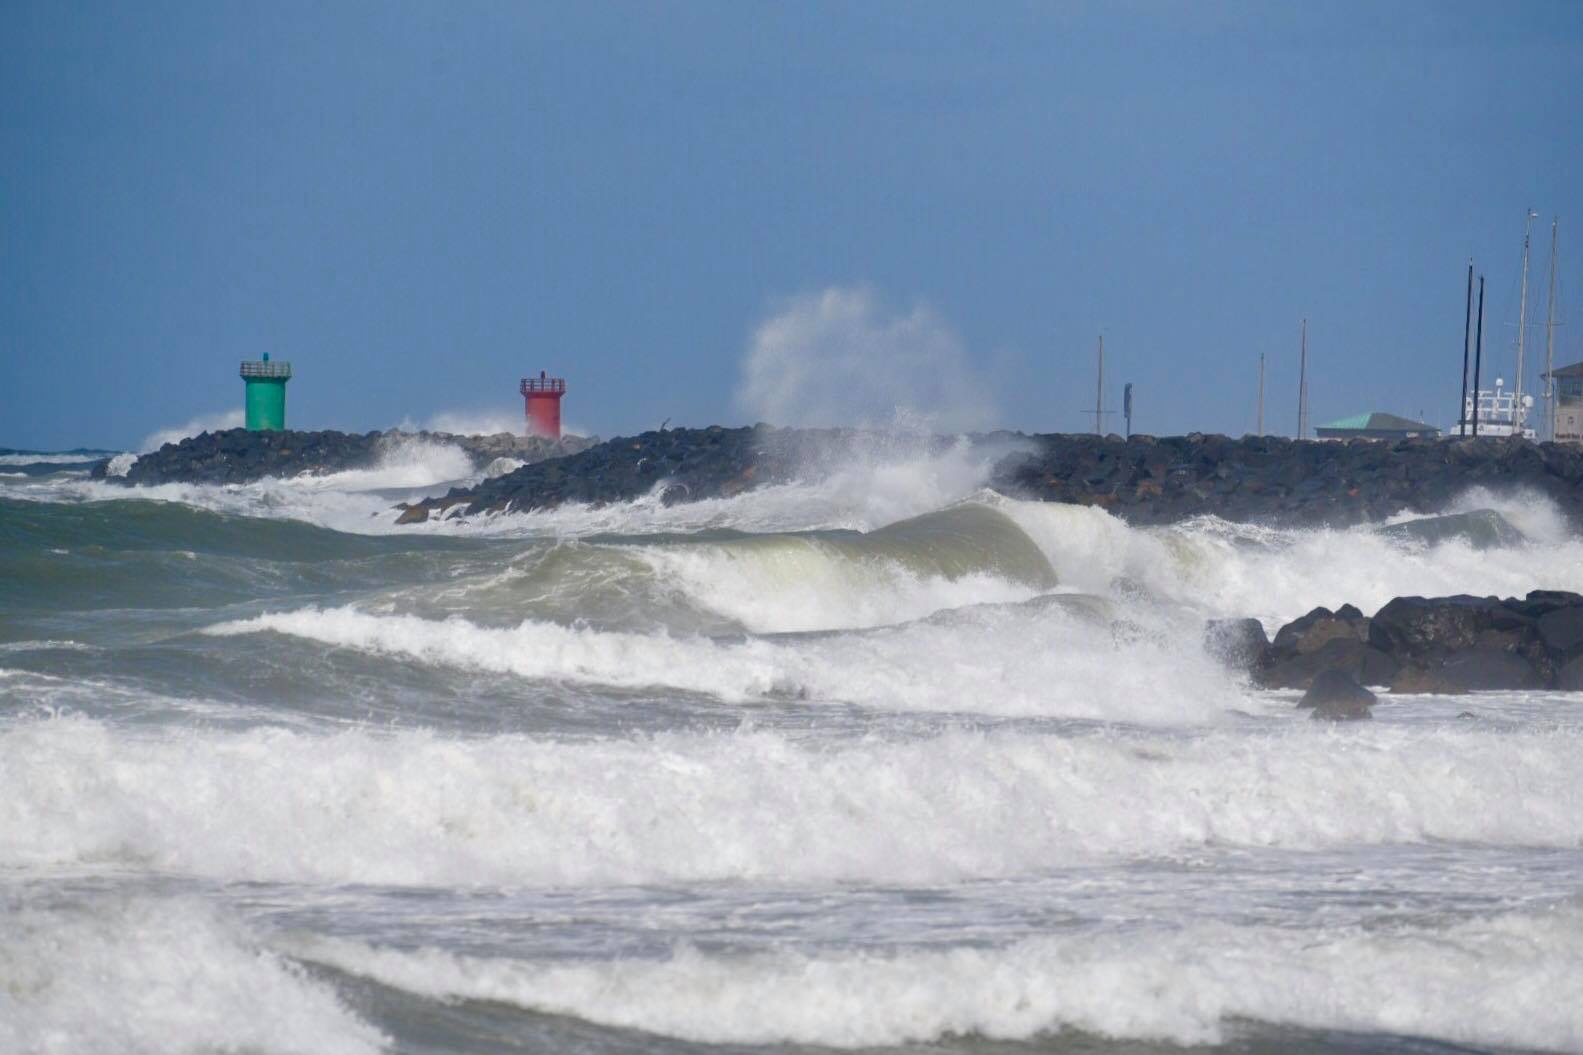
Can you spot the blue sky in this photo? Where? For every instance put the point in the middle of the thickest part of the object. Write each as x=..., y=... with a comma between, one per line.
x=716, y=212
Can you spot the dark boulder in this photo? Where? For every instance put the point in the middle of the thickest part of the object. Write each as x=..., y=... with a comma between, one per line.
x=1424, y=628
x=1570, y=677
x=1561, y=630
x=1335, y=696
x=1539, y=603
x=1481, y=529
x=1324, y=640
x=1238, y=643
x=1311, y=632
x=1297, y=670
x=1479, y=669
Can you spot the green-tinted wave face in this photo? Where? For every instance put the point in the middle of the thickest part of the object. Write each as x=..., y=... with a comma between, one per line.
x=951, y=543
x=963, y=540
x=138, y=554
x=139, y=524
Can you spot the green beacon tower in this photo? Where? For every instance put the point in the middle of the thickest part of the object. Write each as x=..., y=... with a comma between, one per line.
x=266, y=393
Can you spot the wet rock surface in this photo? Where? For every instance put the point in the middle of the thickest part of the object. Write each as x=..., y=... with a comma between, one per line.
x=683, y=465
x=1335, y=696
x=1238, y=643
x=236, y=456
x=1144, y=480
x=1283, y=482
x=1428, y=644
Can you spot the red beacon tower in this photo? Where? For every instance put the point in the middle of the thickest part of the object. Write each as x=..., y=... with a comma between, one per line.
x=542, y=399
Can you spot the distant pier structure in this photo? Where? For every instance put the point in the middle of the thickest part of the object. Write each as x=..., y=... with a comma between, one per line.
x=265, y=383
x=542, y=401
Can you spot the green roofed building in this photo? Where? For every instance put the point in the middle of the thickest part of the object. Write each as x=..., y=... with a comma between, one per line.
x=1376, y=426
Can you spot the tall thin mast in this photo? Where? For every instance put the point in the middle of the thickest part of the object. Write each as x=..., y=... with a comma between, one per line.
x=1099, y=394
x=1550, y=340
x=1522, y=325
x=1260, y=429
x=1302, y=385
x=1467, y=341
x=1478, y=358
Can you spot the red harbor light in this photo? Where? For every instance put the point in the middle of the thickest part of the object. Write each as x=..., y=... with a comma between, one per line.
x=542, y=398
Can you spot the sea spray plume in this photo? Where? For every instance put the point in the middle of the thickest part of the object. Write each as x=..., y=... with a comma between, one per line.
x=883, y=474
x=216, y=422
x=842, y=357
x=484, y=422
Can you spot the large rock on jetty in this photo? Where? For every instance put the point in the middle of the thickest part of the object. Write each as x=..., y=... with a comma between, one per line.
x=1431, y=644
x=236, y=456
x=1480, y=528
x=1144, y=480
x=1324, y=640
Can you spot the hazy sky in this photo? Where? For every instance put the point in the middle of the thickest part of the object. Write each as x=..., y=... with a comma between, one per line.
x=720, y=212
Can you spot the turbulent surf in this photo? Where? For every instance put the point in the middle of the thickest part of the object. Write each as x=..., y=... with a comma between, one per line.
x=878, y=760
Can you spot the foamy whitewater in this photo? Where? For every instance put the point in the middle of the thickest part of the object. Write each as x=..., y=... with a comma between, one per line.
x=877, y=761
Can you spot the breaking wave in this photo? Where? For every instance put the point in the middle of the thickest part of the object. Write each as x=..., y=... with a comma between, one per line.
x=137, y=975
x=1053, y=657
x=417, y=809
x=1513, y=979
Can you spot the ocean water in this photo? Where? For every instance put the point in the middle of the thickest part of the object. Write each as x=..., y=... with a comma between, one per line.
x=880, y=761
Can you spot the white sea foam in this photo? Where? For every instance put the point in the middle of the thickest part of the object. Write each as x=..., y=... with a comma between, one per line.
x=859, y=489
x=416, y=808
x=357, y=500
x=143, y=976
x=52, y=458
x=808, y=588
x=1036, y=660
x=1514, y=978
x=219, y=421
x=1225, y=569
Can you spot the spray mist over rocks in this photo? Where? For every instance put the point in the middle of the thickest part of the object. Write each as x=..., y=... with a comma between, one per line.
x=842, y=357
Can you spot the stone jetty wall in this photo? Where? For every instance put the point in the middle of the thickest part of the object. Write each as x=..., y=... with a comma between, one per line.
x=235, y=456
x=1144, y=480
x=1273, y=480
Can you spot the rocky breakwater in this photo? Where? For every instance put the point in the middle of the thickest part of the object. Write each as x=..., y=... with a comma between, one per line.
x=680, y=464
x=237, y=456
x=1282, y=482
x=1419, y=644
x=1145, y=480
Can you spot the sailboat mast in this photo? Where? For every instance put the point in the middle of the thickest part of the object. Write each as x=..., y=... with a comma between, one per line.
x=1302, y=385
x=1550, y=340
x=1099, y=394
x=1478, y=358
x=1260, y=429
x=1467, y=343
x=1522, y=326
